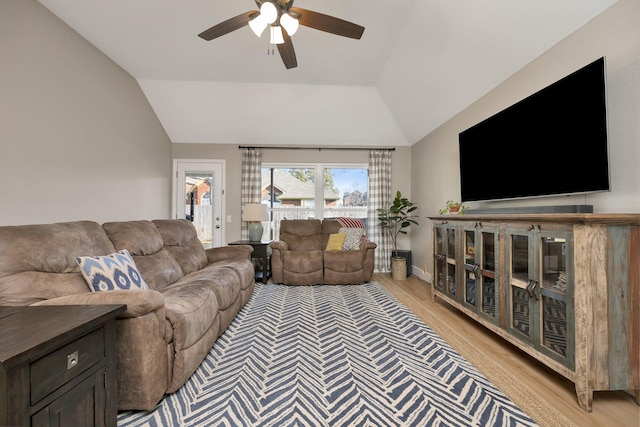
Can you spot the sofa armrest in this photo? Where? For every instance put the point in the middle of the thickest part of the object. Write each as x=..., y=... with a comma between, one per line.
x=138, y=303
x=367, y=244
x=279, y=245
x=368, y=249
x=278, y=248
x=223, y=253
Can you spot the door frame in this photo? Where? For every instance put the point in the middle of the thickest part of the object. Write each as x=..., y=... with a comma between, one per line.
x=221, y=163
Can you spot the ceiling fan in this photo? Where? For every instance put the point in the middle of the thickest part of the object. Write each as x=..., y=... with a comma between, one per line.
x=283, y=20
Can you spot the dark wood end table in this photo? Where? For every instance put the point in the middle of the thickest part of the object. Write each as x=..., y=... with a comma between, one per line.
x=58, y=365
x=261, y=251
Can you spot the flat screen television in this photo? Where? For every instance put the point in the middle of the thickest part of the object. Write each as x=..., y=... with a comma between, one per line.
x=553, y=142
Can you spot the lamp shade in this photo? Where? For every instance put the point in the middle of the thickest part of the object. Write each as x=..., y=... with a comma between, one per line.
x=258, y=25
x=289, y=23
x=255, y=212
x=269, y=11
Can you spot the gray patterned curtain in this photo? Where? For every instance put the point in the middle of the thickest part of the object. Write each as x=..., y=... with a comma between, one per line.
x=251, y=183
x=379, y=195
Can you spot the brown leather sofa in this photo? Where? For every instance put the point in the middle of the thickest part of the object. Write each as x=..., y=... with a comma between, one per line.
x=300, y=256
x=167, y=330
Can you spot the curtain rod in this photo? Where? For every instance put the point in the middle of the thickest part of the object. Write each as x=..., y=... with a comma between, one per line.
x=314, y=148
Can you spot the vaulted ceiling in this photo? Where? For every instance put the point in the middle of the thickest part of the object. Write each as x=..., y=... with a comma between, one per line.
x=419, y=63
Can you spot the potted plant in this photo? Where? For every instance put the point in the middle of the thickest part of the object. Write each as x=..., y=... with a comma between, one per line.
x=452, y=208
x=396, y=218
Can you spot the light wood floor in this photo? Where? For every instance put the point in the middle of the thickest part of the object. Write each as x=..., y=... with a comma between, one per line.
x=609, y=408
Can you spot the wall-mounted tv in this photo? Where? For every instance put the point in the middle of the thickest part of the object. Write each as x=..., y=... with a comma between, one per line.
x=553, y=142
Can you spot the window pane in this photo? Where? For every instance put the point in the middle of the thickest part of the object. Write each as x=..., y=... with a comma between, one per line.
x=345, y=192
x=198, y=207
x=292, y=187
x=295, y=193
x=290, y=193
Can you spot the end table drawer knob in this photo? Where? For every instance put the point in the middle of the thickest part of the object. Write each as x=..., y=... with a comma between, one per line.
x=59, y=367
x=72, y=360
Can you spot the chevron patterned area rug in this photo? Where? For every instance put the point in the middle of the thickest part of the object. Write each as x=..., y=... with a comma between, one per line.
x=331, y=356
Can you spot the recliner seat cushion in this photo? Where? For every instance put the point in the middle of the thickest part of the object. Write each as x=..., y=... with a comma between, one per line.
x=192, y=311
x=222, y=281
x=343, y=268
x=303, y=267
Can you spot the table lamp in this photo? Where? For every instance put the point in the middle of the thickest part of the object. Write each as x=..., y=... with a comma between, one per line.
x=255, y=213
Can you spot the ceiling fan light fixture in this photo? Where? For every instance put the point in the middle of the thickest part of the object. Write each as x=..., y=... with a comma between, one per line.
x=276, y=35
x=269, y=12
x=289, y=23
x=258, y=25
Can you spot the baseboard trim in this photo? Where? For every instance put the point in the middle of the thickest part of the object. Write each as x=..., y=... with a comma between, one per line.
x=421, y=274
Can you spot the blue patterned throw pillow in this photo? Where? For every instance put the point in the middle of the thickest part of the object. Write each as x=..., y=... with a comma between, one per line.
x=111, y=272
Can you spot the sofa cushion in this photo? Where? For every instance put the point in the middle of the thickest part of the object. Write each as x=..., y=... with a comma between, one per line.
x=181, y=240
x=343, y=268
x=336, y=241
x=222, y=280
x=159, y=270
x=343, y=262
x=192, y=311
x=138, y=237
x=303, y=267
x=39, y=261
x=302, y=234
x=143, y=240
x=111, y=272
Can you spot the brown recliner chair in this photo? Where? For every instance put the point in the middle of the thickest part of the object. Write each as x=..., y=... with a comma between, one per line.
x=300, y=258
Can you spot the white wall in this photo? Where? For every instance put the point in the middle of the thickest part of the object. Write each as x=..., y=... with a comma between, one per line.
x=78, y=138
x=614, y=34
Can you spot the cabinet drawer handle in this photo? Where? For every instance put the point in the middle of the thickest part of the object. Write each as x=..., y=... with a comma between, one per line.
x=476, y=270
x=531, y=288
x=72, y=360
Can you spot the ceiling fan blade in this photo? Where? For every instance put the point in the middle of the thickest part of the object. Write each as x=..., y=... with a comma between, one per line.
x=329, y=24
x=228, y=26
x=287, y=53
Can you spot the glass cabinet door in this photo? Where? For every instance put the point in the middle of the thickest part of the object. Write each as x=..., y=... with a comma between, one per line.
x=556, y=333
x=480, y=246
x=488, y=277
x=444, y=253
x=440, y=258
x=470, y=270
x=540, y=298
x=519, y=285
x=452, y=286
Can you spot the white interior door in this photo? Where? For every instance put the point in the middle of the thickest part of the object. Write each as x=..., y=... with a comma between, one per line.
x=198, y=196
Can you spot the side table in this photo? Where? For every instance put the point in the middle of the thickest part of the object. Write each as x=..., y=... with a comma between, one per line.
x=261, y=251
x=58, y=365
